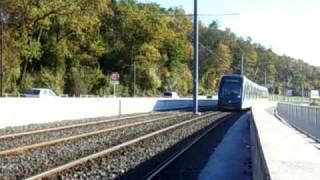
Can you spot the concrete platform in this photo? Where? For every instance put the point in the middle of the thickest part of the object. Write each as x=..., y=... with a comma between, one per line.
x=229, y=160
x=289, y=154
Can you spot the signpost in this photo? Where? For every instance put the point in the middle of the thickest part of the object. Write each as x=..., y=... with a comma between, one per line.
x=114, y=79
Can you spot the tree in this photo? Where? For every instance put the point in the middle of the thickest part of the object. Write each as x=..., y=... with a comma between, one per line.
x=73, y=46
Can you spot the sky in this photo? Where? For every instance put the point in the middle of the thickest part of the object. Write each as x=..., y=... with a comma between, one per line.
x=290, y=27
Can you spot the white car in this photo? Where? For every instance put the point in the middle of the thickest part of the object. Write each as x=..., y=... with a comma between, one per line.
x=39, y=93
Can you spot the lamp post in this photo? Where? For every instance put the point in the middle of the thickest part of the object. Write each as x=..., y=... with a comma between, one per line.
x=195, y=58
x=242, y=61
x=196, y=53
x=265, y=79
x=2, y=21
x=1, y=56
x=134, y=78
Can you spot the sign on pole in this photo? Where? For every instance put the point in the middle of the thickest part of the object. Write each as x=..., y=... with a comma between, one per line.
x=114, y=79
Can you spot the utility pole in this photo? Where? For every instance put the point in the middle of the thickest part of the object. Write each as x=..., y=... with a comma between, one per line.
x=265, y=79
x=1, y=55
x=134, y=78
x=195, y=58
x=242, y=64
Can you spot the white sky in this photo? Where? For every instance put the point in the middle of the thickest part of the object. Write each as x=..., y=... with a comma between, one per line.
x=290, y=27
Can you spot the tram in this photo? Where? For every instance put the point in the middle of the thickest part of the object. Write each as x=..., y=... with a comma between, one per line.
x=236, y=92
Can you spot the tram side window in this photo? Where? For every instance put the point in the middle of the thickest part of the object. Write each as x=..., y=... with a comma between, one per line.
x=247, y=91
x=252, y=92
x=255, y=93
x=259, y=93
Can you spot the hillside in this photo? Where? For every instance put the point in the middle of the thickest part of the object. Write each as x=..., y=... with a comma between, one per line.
x=73, y=46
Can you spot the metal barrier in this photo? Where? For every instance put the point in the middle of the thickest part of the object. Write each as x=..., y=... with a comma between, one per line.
x=296, y=99
x=305, y=118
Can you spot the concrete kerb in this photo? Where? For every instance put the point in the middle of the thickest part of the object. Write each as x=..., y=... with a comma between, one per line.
x=289, y=153
x=260, y=169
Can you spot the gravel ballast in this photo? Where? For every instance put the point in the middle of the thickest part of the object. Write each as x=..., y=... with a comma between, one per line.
x=117, y=163
x=39, y=160
x=14, y=142
x=33, y=127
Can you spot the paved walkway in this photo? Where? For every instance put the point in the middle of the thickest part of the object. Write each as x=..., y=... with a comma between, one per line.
x=290, y=155
x=232, y=154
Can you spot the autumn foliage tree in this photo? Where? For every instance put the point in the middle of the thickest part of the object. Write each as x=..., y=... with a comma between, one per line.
x=72, y=47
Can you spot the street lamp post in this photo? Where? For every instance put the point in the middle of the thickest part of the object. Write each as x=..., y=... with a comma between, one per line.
x=265, y=79
x=2, y=19
x=195, y=57
x=242, y=63
x=134, y=78
x=196, y=54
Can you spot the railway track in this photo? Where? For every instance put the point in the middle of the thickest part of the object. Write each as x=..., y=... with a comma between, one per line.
x=25, y=161
x=10, y=131
x=180, y=164
x=113, y=160
x=18, y=142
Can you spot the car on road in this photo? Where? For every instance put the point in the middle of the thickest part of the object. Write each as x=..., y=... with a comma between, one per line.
x=39, y=93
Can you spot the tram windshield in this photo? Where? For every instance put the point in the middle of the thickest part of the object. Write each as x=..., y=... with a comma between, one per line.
x=231, y=88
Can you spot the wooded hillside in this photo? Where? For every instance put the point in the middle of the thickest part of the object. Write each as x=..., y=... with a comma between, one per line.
x=72, y=46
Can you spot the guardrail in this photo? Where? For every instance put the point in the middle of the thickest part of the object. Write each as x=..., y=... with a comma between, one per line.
x=295, y=99
x=305, y=118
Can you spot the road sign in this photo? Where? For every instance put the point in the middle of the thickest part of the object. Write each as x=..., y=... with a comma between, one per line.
x=114, y=78
x=114, y=82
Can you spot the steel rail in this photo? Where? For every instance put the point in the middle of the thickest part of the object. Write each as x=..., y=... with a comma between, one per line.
x=7, y=136
x=172, y=158
x=20, y=150
x=112, y=149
